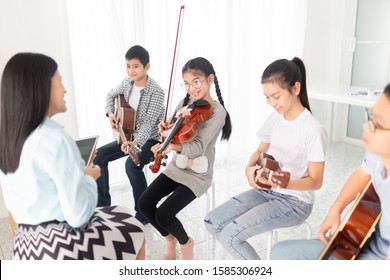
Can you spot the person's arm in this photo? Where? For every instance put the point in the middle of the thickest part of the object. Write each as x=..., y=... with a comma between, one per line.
x=354, y=185
x=110, y=101
x=113, y=93
x=313, y=181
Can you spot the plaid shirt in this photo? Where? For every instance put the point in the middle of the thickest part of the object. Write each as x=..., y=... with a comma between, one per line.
x=150, y=109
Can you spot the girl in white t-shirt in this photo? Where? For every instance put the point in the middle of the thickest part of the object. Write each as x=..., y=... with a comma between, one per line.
x=298, y=142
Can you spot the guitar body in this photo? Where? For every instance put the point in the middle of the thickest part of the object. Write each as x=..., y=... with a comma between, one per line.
x=356, y=228
x=272, y=170
x=125, y=116
x=126, y=125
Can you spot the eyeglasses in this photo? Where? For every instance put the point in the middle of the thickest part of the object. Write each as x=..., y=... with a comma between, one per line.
x=196, y=84
x=371, y=125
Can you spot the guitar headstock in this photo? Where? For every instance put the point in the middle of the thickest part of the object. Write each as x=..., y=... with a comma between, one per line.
x=134, y=152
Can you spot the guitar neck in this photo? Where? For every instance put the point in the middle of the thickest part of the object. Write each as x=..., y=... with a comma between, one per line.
x=122, y=133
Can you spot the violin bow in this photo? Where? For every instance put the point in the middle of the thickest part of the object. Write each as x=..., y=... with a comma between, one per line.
x=175, y=55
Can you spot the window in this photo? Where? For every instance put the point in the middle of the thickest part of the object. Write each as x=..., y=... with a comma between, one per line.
x=371, y=58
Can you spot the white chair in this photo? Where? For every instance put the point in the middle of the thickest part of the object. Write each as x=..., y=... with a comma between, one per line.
x=210, y=205
x=272, y=236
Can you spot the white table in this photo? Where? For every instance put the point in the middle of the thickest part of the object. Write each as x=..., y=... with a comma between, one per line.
x=343, y=95
x=340, y=95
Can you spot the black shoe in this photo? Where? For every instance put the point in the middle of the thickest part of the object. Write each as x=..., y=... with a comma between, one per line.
x=142, y=219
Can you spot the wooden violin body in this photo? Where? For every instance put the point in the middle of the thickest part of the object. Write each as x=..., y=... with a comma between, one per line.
x=272, y=171
x=184, y=128
x=197, y=112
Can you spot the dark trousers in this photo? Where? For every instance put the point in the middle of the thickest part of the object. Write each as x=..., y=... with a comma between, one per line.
x=164, y=218
x=112, y=151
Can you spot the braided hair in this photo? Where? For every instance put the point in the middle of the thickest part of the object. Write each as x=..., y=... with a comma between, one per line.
x=203, y=65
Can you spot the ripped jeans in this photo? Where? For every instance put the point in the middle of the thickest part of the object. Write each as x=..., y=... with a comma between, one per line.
x=251, y=213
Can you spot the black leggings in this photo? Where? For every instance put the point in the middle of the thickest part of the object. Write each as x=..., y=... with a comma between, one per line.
x=164, y=218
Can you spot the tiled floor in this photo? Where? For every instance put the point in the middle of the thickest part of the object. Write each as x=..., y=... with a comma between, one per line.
x=342, y=159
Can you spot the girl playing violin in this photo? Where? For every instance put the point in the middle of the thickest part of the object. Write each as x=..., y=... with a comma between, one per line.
x=190, y=172
x=298, y=142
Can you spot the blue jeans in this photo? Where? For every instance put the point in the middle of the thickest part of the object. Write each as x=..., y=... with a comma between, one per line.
x=251, y=213
x=305, y=249
x=310, y=249
x=112, y=151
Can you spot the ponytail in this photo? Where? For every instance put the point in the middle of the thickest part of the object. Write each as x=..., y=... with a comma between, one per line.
x=286, y=73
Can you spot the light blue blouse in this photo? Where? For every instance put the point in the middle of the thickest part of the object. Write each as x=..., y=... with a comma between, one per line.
x=50, y=183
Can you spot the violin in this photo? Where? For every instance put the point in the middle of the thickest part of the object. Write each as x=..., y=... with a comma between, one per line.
x=183, y=128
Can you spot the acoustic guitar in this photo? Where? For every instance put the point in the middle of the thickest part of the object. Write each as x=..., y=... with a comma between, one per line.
x=356, y=228
x=272, y=171
x=126, y=126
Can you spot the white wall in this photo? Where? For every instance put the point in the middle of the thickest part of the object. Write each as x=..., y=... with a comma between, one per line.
x=328, y=57
x=40, y=26
x=329, y=30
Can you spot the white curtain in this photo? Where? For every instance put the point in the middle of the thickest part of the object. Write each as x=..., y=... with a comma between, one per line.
x=240, y=38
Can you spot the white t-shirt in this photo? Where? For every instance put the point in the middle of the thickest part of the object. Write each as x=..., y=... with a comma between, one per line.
x=135, y=96
x=294, y=144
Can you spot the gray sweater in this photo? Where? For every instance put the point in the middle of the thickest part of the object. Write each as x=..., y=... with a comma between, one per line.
x=202, y=143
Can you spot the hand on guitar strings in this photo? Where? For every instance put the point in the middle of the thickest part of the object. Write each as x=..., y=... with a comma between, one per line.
x=329, y=226
x=113, y=121
x=125, y=146
x=256, y=176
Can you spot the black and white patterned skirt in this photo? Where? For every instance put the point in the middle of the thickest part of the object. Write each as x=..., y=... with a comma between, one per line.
x=111, y=234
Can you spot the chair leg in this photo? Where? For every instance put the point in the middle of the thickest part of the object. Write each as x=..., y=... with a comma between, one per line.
x=210, y=204
x=270, y=235
x=309, y=230
x=207, y=234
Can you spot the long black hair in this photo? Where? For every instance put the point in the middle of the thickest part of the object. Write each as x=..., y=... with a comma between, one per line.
x=286, y=73
x=24, y=101
x=202, y=65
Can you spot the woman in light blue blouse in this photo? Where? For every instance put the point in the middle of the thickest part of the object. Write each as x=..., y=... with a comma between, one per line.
x=47, y=187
